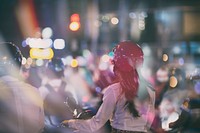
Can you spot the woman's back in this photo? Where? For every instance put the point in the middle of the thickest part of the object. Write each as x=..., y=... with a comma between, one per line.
x=122, y=118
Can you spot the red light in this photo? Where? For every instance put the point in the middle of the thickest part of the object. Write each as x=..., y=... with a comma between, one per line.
x=75, y=22
x=75, y=18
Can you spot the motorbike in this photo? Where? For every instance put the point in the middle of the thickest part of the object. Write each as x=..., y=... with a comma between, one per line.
x=53, y=122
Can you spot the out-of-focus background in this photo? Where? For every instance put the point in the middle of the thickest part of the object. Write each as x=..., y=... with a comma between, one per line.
x=83, y=33
x=160, y=26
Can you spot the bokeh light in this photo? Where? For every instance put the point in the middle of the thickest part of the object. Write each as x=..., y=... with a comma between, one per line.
x=74, y=63
x=47, y=32
x=59, y=44
x=173, y=81
x=165, y=57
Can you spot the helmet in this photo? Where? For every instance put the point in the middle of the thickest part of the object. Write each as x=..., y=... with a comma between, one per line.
x=127, y=56
x=56, y=67
x=10, y=55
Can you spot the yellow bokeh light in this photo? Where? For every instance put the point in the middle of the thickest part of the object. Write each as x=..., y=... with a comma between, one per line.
x=36, y=53
x=74, y=63
x=74, y=26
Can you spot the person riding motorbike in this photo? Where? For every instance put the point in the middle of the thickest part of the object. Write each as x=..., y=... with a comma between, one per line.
x=59, y=103
x=127, y=104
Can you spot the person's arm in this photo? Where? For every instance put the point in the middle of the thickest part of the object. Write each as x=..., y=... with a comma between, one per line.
x=183, y=117
x=103, y=115
x=151, y=106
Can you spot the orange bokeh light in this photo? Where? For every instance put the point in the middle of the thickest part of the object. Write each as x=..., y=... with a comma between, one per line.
x=74, y=26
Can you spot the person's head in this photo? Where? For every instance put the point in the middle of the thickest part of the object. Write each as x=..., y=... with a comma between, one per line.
x=55, y=68
x=128, y=56
x=162, y=74
x=10, y=59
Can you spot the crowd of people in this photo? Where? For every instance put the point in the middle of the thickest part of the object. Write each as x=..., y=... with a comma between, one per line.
x=58, y=99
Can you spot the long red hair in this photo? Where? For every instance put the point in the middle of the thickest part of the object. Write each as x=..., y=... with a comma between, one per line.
x=129, y=82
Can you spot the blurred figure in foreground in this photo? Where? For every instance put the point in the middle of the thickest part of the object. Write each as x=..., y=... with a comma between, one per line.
x=128, y=106
x=21, y=109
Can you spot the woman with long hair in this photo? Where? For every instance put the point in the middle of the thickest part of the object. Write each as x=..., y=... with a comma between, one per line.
x=127, y=103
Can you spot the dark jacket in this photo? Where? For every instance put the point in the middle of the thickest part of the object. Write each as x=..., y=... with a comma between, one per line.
x=189, y=118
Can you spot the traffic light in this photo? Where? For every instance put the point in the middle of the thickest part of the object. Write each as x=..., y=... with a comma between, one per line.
x=74, y=22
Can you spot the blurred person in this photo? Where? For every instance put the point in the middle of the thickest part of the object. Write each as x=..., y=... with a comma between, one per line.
x=34, y=79
x=128, y=105
x=105, y=78
x=102, y=79
x=25, y=73
x=77, y=83
x=21, y=109
x=161, y=85
x=59, y=103
x=189, y=117
x=170, y=91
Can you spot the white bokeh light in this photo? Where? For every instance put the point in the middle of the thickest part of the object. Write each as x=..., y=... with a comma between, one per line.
x=47, y=33
x=59, y=44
